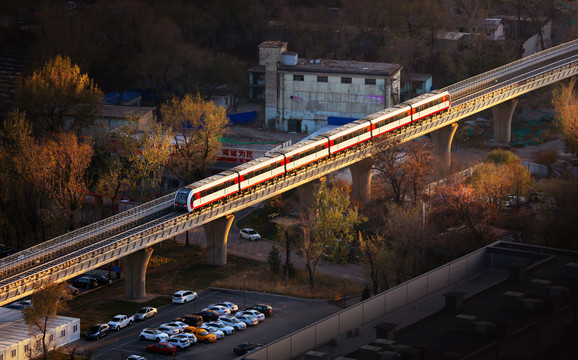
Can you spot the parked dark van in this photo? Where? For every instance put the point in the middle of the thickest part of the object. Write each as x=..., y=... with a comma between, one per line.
x=267, y=310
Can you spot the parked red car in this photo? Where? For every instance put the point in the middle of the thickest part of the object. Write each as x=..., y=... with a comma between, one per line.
x=162, y=348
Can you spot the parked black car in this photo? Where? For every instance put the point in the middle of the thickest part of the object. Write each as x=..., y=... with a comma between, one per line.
x=97, y=331
x=209, y=315
x=191, y=320
x=265, y=309
x=245, y=347
x=84, y=282
x=101, y=279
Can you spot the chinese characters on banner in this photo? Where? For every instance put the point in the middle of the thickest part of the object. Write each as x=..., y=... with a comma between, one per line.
x=231, y=155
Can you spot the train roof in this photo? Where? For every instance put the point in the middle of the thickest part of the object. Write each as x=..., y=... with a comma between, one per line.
x=390, y=111
x=222, y=176
x=303, y=145
x=424, y=98
x=348, y=128
x=264, y=160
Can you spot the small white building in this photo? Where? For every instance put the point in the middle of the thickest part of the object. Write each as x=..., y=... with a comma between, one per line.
x=17, y=342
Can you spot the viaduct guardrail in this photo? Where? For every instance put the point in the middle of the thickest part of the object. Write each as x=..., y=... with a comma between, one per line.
x=102, y=242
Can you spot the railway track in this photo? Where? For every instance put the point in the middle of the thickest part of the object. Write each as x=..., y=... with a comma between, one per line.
x=94, y=245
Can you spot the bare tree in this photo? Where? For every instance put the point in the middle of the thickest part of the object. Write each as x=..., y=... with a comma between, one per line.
x=406, y=168
x=47, y=302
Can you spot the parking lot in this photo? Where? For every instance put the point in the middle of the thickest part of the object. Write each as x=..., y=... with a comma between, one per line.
x=289, y=314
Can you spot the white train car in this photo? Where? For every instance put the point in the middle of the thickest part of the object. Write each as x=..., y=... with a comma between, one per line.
x=428, y=104
x=389, y=119
x=260, y=170
x=348, y=135
x=305, y=152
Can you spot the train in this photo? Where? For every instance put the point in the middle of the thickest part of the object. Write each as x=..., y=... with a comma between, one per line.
x=248, y=176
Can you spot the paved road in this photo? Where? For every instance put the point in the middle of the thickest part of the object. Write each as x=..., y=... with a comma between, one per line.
x=259, y=250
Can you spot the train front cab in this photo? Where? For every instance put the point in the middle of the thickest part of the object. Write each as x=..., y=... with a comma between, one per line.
x=183, y=199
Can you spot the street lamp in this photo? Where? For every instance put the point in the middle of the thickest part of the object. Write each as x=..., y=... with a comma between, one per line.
x=244, y=290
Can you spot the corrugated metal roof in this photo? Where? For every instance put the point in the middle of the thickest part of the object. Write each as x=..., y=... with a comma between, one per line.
x=14, y=330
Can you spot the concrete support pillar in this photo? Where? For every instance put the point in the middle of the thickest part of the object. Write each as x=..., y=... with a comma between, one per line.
x=305, y=192
x=135, y=270
x=502, y=114
x=443, y=139
x=361, y=173
x=217, y=234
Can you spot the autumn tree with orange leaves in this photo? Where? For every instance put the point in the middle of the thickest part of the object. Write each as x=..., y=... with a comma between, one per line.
x=19, y=220
x=198, y=126
x=57, y=166
x=565, y=102
x=58, y=97
x=459, y=205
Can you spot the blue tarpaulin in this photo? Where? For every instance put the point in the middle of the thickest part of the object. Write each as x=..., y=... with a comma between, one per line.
x=242, y=118
x=334, y=120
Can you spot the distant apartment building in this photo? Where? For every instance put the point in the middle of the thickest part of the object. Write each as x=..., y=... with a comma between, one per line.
x=303, y=95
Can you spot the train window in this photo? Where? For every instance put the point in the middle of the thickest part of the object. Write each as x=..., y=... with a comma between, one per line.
x=346, y=80
x=322, y=79
x=298, y=78
x=369, y=81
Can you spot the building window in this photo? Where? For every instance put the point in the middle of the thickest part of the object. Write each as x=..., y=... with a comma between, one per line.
x=27, y=348
x=13, y=353
x=75, y=328
x=38, y=343
x=346, y=80
x=51, y=338
x=322, y=79
x=298, y=77
x=369, y=81
x=62, y=333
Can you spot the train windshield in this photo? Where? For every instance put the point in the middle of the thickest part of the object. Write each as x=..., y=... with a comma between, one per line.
x=182, y=196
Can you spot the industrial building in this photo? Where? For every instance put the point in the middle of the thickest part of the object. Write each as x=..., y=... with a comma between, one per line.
x=303, y=95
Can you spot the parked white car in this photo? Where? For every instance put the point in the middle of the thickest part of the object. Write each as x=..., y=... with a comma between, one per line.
x=213, y=330
x=229, y=305
x=146, y=312
x=169, y=330
x=153, y=335
x=247, y=319
x=184, y=296
x=120, y=321
x=191, y=337
x=136, y=357
x=232, y=321
x=228, y=330
x=258, y=315
x=179, y=342
x=176, y=324
x=249, y=234
x=223, y=311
